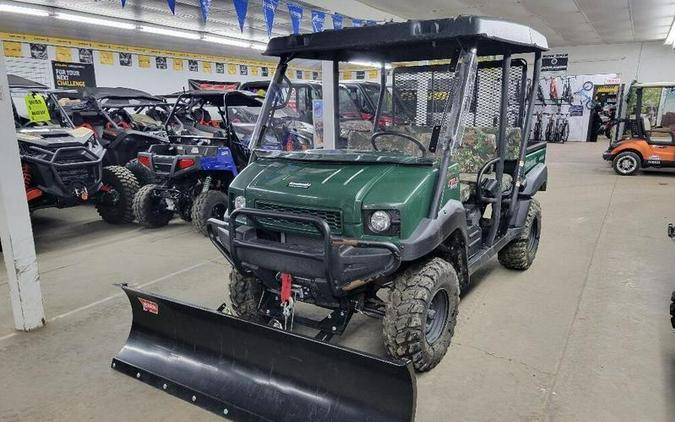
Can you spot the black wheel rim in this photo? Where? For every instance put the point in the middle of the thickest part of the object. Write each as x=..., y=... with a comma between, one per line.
x=218, y=211
x=437, y=315
x=533, y=238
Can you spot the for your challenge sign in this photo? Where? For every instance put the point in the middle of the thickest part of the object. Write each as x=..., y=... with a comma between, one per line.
x=73, y=75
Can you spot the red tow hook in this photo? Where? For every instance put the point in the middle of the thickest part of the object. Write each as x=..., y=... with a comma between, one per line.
x=286, y=285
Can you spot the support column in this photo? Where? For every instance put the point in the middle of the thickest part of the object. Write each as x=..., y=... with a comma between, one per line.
x=16, y=232
x=331, y=103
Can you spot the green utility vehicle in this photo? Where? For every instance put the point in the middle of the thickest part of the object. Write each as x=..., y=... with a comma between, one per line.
x=391, y=227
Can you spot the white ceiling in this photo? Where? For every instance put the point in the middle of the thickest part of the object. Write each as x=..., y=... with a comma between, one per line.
x=222, y=17
x=564, y=22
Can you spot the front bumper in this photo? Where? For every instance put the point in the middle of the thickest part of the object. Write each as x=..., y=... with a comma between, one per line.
x=607, y=156
x=66, y=173
x=339, y=261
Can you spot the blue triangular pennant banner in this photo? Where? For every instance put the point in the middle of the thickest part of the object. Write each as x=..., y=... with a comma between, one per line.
x=337, y=21
x=124, y=3
x=357, y=22
x=318, y=20
x=172, y=5
x=296, y=11
x=241, y=7
x=205, y=5
x=270, y=9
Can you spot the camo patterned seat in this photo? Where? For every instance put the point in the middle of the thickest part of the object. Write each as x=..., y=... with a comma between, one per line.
x=478, y=147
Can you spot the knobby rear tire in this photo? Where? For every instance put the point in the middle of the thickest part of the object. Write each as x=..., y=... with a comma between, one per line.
x=519, y=254
x=148, y=208
x=124, y=183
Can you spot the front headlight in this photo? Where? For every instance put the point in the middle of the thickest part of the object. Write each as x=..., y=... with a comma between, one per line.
x=380, y=221
x=239, y=202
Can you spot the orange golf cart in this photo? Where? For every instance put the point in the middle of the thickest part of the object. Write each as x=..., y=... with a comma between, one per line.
x=647, y=137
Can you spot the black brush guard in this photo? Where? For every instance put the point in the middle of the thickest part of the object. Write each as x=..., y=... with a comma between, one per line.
x=54, y=162
x=249, y=372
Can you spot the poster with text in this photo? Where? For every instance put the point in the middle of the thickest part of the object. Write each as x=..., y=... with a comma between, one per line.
x=264, y=71
x=178, y=65
x=12, y=49
x=144, y=62
x=39, y=51
x=193, y=65
x=73, y=75
x=554, y=62
x=106, y=57
x=160, y=62
x=64, y=54
x=243, y=70
x=86, y=55
x=125, y=59
x=220, y=68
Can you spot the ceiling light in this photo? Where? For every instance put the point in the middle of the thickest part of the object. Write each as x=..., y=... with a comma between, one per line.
x=670, y=39
x=94, y=21
x=227, y=41
x=170, y=32
x=23, y=10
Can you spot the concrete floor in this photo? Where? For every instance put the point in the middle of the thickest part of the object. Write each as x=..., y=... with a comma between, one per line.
x=583, y=335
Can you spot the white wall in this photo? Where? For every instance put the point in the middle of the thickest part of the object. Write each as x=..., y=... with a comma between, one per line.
x=152, y=80
x=646, y=62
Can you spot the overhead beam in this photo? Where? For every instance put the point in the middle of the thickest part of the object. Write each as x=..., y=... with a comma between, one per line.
x=16, y=233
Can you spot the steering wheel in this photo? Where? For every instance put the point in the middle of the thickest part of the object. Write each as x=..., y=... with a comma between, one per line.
x=400, y=135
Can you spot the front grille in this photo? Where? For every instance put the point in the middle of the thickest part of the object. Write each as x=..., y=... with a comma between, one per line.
x=85, y=175
x=332, y=217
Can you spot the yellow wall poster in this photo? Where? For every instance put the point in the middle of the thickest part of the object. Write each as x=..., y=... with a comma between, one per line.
x=106, y=57
x=254, y=71
x=231, y=69
x=12, y=49
x=372, y=74
x=178, y=64
x=37, y=108
x=64, y=54
x=206, y=67
x=144, y=62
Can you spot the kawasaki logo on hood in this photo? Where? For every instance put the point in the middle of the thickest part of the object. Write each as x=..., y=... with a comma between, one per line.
x=303, y=185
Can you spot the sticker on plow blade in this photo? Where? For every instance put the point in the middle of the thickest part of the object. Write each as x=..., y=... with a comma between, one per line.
x=250, y=372
x=149, y=306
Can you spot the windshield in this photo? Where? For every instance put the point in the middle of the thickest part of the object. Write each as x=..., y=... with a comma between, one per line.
x=37, y=109
x=434, y=93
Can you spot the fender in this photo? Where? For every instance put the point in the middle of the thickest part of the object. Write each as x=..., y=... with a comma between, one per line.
x=535, y=180
x=430, y=233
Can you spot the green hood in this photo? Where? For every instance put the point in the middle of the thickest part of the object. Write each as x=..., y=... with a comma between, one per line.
x=348, y=186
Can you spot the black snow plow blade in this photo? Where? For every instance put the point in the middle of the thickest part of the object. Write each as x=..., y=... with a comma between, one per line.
x=250, y=372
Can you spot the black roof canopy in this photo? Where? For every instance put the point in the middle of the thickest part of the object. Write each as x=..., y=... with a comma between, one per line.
x=104, y=93
x=23, y=83
x=220, y=98
x=412, y=40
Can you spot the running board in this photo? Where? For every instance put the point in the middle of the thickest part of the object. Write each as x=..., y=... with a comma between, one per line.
x=484, y=255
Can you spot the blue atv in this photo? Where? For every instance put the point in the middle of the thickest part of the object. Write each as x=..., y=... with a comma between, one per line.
x=195, y=169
